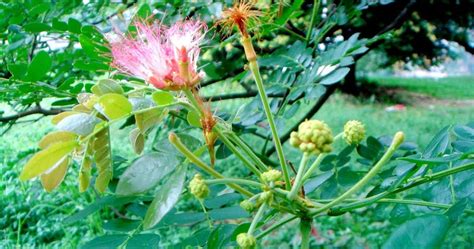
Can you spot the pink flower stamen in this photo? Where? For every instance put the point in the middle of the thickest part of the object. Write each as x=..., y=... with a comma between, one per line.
x=158, y=53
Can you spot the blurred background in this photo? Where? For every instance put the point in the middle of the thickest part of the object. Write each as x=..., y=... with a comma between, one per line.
x=415, y=72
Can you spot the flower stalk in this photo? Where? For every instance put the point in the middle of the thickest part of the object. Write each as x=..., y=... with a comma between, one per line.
x=397, y=141
x=298, y=182
x=194, y=159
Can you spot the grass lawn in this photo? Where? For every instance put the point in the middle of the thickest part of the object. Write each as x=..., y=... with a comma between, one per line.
x=455, y=87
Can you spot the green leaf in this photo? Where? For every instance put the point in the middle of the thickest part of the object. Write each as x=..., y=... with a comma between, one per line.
x=36, y=27
x=98, y=205
x=432, y=161
x=146, y=172
x=74, y=26
x=288, y=12
x=438, y=144
x=81, y=124
x=59, y=25
x=222, y=200
x=106, y=241
x=162, y=98
x=18, y=70
x=193, y=119
x=335, y=76
x=464, y=131
x=146, y=120
x=137, y=140
x=456, y=210
x=317, y=181
x=46, y=159
x=39, y=66
x=235, y=212
x=56, y=137
x=422, y=232
x=39, y=8
x=106, y=86
x=103, y=160
x=51, y=179
x=121, y=225
x=115, y=105
x=165, y=198
x=140, y=241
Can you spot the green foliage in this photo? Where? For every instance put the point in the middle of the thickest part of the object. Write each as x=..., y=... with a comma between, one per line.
x=145, y=201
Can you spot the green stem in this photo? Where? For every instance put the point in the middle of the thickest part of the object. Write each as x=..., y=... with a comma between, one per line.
x=451, y=185
x=314, y=166
x=266, y=106
x=398, y=139
x=275, y=226
x=297, y=185
x=313, y=20
x=305, y=229
x=257, y=217
x=194, y=159
x=234, y=180
x=190, y=96
x=416, y=181
x=248, y=150
x=235, y=151
x=208, y=218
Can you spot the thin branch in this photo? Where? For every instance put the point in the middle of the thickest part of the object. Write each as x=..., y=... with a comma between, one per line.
x=35, y=110
x=239, y=96
x=115, y=13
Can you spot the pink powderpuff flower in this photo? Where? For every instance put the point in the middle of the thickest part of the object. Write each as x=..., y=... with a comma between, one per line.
x=164, y=56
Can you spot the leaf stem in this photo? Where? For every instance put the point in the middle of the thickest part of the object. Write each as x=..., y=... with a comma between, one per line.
x=257, y=217
x=314, y=166
x=416, y=181
x=236, y=152
x=253, y=65
x=194, y=159
x=297, y=185
x=234, y=180
x=275, y=226
x=248, y=150
x=397, y=140
x=313, y=20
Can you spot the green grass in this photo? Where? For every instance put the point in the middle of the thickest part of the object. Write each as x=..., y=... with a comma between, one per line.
x=454, y=87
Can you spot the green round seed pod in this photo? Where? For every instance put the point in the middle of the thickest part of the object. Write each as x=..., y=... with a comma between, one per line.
x=247, y=205
x=246, y=241
x=354, y=132
x=313, y=136
x=271, y=175
x=198, y=187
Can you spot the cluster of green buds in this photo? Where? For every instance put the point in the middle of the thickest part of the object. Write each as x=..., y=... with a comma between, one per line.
x=247, y=205
x=198, y=187
x=354, y=132
x=313, y=136
x=246, y=241
x=271, y=175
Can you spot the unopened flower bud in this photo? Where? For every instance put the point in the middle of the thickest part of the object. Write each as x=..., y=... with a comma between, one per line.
x=247, y=205
x=313, y=136
x=271, y=175
x=198, y=187
x=246, y=241
x=265, y=197
x=354, y=132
